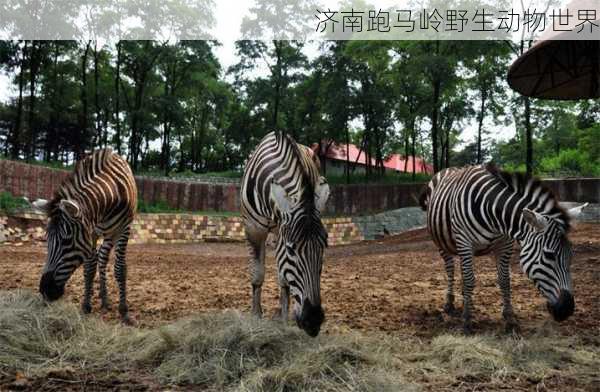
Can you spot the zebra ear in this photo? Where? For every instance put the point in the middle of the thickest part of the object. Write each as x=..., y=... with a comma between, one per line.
x=576, y=211
x=535, y=219
x=321, y=194
x=280, y=198
x=70, y=208
x=40, y=205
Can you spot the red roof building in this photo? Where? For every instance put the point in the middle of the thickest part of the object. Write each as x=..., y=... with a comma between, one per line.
x=337, y=153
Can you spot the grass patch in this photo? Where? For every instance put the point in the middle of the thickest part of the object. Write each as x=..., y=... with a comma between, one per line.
x=188, y=174
x=232, y=351
x=162, y=207
x=387, y=179
x=11, y=204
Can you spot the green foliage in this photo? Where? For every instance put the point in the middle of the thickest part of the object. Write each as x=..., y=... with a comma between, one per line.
x=10, y=203
x=570, y=163
x=171, y=108
x=159, y=206
x=389, y=178
x=589, y=142
x=162, y=207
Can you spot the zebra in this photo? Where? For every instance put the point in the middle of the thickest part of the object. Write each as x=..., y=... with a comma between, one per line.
x=478, y=210
x=98, y=199
x=283, y=191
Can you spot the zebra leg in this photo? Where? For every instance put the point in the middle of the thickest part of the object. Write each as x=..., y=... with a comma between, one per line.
x=503, y=256
x=121, y=276
x=468, y=281
x=256, y=243
x=449, y=265
x=103, y=254
x=284, y=301
x=89, y=273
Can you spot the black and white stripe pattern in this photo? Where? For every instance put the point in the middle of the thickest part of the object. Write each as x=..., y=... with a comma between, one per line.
x=478, y=210
x=97, y=200
x=283, y=191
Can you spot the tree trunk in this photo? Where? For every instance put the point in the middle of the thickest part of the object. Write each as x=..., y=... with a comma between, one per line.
x=97, y=95
x=117, y=100
x=278, y=81
x=414, y=152
x=33, y=69
x=347, y=155
x=480, y=128
x=165, y=149
x=16, y=132
x=51, y=132
x=83, y=123
x=528, y=137
x=434, y=124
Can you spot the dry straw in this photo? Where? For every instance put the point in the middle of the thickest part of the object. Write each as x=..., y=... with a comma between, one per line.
x=232, y=351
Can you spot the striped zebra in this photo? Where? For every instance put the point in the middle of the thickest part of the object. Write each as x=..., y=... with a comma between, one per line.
x=283, y=191
x=97, y=200
x=478, y=210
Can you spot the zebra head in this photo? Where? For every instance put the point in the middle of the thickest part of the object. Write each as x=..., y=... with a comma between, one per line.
x=69, y=243
x=300, y=245
x=546, y=258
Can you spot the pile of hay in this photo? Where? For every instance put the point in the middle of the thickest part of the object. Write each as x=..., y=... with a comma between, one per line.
x=232, y=351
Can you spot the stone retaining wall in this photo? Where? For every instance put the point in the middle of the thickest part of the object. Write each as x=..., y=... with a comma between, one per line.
x=189, y=228
x=171, y=229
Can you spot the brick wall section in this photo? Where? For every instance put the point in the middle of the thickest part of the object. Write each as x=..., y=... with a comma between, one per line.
x=33, y=181
x=185, y=228
x=171, y=229
x=346, y=200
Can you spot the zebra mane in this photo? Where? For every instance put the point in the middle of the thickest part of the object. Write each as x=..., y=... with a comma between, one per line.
x=310, y=225
x=308, y=194
x=87, y=165
x=525, y=185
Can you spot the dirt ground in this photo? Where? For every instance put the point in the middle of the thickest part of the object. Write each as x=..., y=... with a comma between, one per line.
x=396, y=284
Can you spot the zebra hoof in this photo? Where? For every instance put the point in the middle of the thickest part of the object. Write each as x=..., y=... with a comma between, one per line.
x=512, y=327
x=86, y=308
x=105, y=307
x=257, y=312
x=278, y=316
x=450, y=310
x=468, y=329
x=128, y=321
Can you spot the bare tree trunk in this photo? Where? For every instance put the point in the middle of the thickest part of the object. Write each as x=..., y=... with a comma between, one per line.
x=480, y=128
x=33, y=69
x=80, y=148
x=277, y=83
x=117, y=100
x=16, y=132
x=528, y=137
x=347, y=155
x=97, y=95
x=414, y=152
x=434, y=125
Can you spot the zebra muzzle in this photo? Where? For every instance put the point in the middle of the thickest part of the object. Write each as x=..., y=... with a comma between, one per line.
x=49, y=289
x=310, y=318
x=564, y=307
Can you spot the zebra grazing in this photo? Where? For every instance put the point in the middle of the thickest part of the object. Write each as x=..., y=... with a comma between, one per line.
x=477, y=210
x=282, y=189
x=98, y=199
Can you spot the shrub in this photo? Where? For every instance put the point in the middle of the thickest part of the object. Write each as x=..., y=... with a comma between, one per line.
x=154, y=208
x=10, y=204
x=570, y=163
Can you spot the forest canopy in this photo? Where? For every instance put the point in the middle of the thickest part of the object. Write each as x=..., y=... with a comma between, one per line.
x=173, y=107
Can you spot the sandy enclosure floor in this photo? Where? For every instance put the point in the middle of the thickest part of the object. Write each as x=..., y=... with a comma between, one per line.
x=396, y=284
